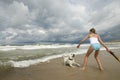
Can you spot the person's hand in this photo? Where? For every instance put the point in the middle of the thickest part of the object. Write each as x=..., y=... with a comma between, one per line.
x=78, y=46
x=108, y=50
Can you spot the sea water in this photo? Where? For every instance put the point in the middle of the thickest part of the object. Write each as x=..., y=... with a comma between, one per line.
x=27, y=55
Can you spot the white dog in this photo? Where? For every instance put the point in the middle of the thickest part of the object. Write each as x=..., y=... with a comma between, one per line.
x=69, y=60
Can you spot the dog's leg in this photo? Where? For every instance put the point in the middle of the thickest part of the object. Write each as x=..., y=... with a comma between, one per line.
x=71, y=64
x=78, y=65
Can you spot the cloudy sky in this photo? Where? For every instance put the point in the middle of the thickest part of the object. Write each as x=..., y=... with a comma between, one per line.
x=23, y=21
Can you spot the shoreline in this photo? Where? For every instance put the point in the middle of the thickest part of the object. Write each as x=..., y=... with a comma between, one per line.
x=55, y=70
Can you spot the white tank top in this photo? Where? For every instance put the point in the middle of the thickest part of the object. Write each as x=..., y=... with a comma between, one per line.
x=93, y=40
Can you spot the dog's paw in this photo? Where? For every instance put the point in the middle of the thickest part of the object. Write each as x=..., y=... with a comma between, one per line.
x=78, y=65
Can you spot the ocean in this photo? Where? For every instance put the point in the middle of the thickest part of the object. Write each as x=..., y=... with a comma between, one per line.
x=27, y=55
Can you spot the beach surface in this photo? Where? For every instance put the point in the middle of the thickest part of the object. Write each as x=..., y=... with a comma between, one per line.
x=56, y=70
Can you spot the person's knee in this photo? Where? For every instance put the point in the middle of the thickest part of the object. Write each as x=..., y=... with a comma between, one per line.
x=86, y=56
x=96, y=56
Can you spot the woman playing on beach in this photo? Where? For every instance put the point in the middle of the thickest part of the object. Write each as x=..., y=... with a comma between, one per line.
x=95, y=42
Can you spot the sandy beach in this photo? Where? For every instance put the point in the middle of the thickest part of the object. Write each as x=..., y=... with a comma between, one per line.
x=55, y=70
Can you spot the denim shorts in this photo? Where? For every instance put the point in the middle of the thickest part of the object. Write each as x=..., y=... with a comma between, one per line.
x=96, y=46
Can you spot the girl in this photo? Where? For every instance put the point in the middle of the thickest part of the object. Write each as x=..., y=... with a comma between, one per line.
x=95, y=42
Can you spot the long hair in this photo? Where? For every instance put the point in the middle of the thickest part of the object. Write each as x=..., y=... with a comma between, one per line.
x=93, y=30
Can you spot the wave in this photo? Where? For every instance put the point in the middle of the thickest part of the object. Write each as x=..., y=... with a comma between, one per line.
x=27, y=63
x=32, y=47
x=35, y=60
x=45, y=46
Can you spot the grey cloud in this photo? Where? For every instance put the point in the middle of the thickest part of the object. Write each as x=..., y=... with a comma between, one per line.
x=51, y=20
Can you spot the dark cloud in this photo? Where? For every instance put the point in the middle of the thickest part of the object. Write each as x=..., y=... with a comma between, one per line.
x=51, y=20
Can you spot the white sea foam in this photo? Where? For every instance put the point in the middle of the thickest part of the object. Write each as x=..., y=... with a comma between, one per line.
x=44, y=46
x=7, y=48
x=27, y=63
x=32, y=47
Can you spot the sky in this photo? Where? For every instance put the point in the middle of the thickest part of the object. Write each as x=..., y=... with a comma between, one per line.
x=35, y=21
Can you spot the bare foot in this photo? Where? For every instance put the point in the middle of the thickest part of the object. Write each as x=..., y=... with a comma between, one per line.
x=119, y=59
x=101, y=69
x=83, y=68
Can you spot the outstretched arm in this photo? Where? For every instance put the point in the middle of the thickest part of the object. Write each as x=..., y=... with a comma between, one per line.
x=84, y=39
x=101, y=42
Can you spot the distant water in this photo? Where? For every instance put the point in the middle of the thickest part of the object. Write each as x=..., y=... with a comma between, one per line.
x=26, y=55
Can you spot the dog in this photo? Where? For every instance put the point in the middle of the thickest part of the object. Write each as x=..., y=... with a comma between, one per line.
x=70, y=61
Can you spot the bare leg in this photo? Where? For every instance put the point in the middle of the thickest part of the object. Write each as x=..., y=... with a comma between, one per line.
x=90, y=50
x=98, y=60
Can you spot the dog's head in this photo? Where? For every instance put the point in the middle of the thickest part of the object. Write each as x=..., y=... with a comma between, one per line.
x=71, y=56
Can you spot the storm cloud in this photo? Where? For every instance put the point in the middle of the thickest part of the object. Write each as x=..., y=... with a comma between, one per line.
x=55, y=20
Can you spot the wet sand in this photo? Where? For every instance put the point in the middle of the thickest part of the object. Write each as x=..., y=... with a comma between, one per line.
x=55, y=70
